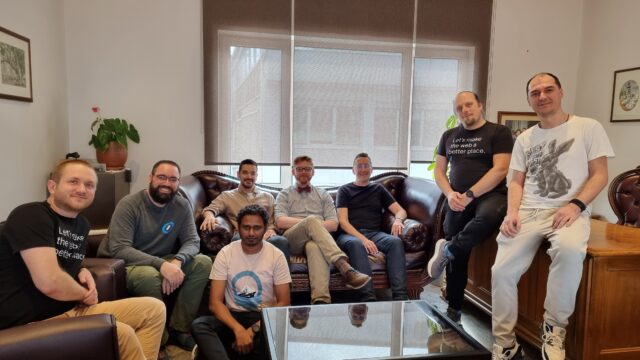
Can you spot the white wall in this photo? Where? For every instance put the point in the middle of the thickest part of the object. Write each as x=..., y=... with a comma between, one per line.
x=582, y=42
x=142, y=61
x=531, y=37
x=33, y=136
x=609, y=44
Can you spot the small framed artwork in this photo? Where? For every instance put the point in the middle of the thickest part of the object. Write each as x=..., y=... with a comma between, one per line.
x=517, y=122
x=626, y=93
x=15, y=66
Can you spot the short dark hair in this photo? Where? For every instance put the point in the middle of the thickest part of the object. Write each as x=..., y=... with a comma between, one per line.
x=56, y=174
x=247, y=162
x=302, y=158
x=470, y=92
x=170, y=162
x=362, y=155
x=555, y=79
x=253, y=209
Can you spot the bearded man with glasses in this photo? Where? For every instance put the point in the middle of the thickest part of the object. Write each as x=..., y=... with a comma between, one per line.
x=154, y=232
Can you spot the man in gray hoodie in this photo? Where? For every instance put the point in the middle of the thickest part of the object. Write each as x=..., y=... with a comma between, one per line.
x=154, y=232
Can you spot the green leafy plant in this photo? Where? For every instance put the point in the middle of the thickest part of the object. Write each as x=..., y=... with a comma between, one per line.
x=112, y=129
x=451, y=122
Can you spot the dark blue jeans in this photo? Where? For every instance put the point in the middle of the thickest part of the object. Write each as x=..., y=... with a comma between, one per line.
x=212, y=335
x=392, y=247
x=466, y=229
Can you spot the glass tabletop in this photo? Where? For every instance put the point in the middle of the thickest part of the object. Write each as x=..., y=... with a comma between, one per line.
x=380, y=330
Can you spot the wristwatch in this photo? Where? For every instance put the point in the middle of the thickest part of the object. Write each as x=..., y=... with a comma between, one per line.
x=255, y=327
x=470, y=194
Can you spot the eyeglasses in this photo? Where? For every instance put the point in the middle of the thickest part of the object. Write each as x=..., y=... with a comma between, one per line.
x=163, y=178
x=305, y=169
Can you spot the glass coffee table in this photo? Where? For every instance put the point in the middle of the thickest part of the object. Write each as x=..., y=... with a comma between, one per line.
x=377, y=330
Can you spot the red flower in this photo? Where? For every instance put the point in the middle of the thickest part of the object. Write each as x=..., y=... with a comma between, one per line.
x=95, y=109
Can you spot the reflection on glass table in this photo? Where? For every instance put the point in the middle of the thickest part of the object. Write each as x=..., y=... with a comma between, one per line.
x=378, y=330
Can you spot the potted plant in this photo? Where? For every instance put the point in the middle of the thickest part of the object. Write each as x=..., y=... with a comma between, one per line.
x=110, y=140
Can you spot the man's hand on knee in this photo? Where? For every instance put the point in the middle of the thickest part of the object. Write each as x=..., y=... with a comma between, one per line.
x=172, y=276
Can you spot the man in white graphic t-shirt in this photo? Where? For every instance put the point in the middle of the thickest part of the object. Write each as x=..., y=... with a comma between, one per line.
x=247, y=275
x=557, y=168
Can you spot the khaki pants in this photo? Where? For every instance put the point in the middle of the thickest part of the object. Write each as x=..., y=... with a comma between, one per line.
x=568, y=250
x=139, y=323
x=311, y=238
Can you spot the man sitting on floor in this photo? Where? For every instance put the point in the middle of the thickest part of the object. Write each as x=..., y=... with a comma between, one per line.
x=247, y=275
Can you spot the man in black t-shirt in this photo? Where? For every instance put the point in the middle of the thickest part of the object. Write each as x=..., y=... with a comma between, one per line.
x=479, y=152
x=42, y=246
x=360, y=207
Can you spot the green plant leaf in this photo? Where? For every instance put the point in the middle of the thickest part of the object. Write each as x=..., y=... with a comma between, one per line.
x=112, y=129
x=133, y=134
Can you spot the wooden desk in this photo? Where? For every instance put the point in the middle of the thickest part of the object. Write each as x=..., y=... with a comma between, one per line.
x=606, y=321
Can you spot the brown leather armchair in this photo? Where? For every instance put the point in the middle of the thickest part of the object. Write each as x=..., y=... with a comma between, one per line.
x=86, y=337
x=624, y=197
x=70, y=338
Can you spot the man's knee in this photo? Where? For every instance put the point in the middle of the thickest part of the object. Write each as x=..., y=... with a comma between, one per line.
x=154, y=308
x=278, y=241
x=144, y=281
x=311, y=221
x=200, y=266
x=352, y=245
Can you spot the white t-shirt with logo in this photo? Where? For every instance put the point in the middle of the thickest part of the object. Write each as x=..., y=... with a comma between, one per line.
x=250, y=278
x=556, y=160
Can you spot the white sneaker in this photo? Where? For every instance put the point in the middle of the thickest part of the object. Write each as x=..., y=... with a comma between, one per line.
x=194, y=352
x=552, y=342
x=500, y=353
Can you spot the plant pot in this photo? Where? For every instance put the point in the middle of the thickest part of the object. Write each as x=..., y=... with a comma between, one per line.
x=115, y=157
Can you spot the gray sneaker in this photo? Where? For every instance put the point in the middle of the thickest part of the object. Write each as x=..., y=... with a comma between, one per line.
x=354, y=279
x=500, y=353
x=438, y=262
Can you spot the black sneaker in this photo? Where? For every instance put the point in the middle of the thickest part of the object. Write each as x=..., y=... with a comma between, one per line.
x=454, y=315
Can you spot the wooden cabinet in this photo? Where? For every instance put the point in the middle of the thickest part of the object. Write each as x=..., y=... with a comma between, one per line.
x=606, y=321
x=112, y=186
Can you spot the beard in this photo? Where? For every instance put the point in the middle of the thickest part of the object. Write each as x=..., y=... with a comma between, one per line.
x=161, y=198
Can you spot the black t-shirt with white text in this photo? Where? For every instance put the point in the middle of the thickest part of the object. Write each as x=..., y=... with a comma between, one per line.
x=470, y=152
x=29, y=226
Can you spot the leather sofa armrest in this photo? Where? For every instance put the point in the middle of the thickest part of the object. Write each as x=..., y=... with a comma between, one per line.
x=110, y=277
x=212, y=241
x=414, y=236
x=92, y=336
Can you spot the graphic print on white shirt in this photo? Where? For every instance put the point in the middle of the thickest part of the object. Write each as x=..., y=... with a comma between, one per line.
x=542, y=162
x=247, y=289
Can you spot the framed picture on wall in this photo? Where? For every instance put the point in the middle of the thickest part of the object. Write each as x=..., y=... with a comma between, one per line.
x=15, y=66
x=626, y=93
x=517, y=122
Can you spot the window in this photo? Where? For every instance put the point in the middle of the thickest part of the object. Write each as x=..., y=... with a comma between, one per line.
x=334, y=79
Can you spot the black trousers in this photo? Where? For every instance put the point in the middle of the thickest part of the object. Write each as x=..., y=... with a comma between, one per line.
x=214, y=338
x=466, y=229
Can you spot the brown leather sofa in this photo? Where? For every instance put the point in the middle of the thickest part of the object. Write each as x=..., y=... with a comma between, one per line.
x=72, y=338
x=624, y=197
x=86, y=337
x=420, y=198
